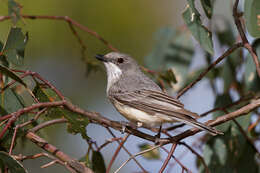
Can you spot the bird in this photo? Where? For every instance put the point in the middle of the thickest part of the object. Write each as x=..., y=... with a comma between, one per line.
x=139, y=99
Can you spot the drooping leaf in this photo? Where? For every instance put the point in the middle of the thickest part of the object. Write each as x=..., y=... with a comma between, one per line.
x=14, y=10
x=11, y=74
x=191, y=17
x=13, y=165
x=98, y=162
x=252, y=16
x=15, y=46
x=207, y=7
x=151, y=155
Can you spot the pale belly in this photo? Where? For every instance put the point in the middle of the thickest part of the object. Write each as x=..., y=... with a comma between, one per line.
x=139, y=116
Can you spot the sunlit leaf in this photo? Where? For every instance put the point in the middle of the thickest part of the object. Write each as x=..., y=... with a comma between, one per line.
x=98, y=162
x=208, y=7
x=191, y=17
x=14, y=10
x=151, y=155
x=15, y=46
x=13, y=165
x=252, y=16
x=12, y=75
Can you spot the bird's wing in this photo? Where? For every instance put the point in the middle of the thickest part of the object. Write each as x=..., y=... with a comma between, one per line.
x=155, y=102
x=159, y=104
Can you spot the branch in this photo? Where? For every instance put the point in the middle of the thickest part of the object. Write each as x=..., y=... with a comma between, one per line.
x=224, y=55
x=165, y=163
x=57, y=153
x=242, y=34
x=116, y=153
x=69, y=21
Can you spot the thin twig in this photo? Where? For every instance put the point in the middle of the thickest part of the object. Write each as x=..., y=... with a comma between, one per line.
x=165, y=163
x=69, y=20
x=126, y=150
x=242, y=34
x=224, y=55
x=116, y=153
x=140, y=153
x=197, y=154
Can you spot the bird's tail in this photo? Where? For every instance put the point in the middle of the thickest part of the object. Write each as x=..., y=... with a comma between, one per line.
x=202, y=126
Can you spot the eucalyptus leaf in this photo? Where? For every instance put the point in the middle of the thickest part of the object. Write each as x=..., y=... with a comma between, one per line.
x=14, y=47
x=252, y=13
x=252, y=80
x=191, y=17
x=151, y=155
x=208, y=7
x=14, y=10
x=12, y=75
x=98, y=162
x=13, y=165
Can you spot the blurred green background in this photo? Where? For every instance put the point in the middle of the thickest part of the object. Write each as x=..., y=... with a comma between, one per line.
x=55, y=53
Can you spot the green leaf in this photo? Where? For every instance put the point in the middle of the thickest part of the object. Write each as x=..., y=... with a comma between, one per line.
x=13, y=165
x=12, y=75
x=251, y=78
x=77, y=123
x=10, y=101
x=98, y=162
x=229, y=153
x=15, y=46
x=207, y=7
x=14, y=10
x=192, y=19
x=225, y=33
x=44, y=94
x=151, y=155
x=252, y=16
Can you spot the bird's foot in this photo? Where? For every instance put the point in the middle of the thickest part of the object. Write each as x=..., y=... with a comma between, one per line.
x=157, y=136
x=128, y=124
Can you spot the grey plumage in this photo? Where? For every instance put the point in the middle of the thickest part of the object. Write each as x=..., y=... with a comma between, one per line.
x=140, y=99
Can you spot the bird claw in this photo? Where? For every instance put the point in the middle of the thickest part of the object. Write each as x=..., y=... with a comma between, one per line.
x=128, y=124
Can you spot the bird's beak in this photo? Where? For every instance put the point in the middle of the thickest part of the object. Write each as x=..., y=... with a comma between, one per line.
x=101, y=58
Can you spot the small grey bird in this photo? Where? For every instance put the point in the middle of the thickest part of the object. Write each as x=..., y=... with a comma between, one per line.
x=141, y=100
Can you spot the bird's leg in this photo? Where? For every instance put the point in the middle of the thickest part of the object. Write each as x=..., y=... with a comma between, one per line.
x=158, y=135
x=128, y=124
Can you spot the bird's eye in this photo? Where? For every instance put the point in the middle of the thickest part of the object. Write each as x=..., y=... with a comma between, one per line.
x=120, y=60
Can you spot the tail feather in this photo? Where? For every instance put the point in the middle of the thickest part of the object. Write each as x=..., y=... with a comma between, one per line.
x=199, y=125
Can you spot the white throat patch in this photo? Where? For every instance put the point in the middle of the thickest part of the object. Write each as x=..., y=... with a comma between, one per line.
x=113, y=74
